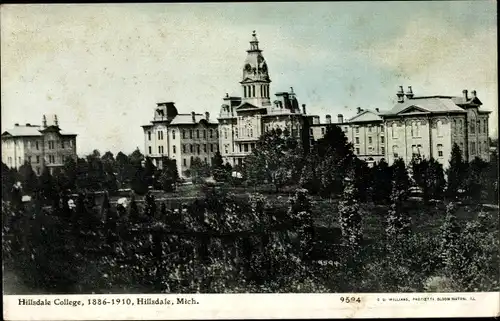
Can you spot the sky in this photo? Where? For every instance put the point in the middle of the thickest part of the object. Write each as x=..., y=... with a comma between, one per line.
x=102, y=68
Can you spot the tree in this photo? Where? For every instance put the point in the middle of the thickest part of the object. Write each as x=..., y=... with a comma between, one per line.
x=301, y=215
x=476, y=180
x=122, y=168
x=47, y=185
x=349, y=216
x=198, y=170
x=8, y=181
x=219, y=171
x=333, y=153
x=451, y=252
x=398, y=223
x=168, y=174
x=28, y=177
x=110, y=171
x=455, y=173
x=382, y=183
x=71, y=172
x=275, y=159
x=429, y=176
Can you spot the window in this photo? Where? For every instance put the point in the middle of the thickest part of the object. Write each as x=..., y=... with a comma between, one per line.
x=29, y=159
x=204, y=133
x=414, y=129
x=419, y=149
x=472, y=127
x=439, y=128
x=311, y=131
x=357, y=130
x=38, y=159
x=184, y=162
x=211, y=148
x=473, y=148
x=369, y=129
x=236, y=132
x=38, y=170
x=251, y=132
x=51, y=144
x=204, y=148
x=183, y=148
x=382, y=150
x=322, y=130
x=183, y=133
x=395, y=151
x=160, y=149
x=357, y=151
x=191, y=148
x=160, y=135
x=414, y=150
x=245, y=147
x=173, y=134
x=197, y=133
x=174, y=150
x=149, y=136
x=191, y=133
x=369, y=140
x=225, y=133
x=36, y=145
x=394, y=131
x=382, y=139
x=345, y=129
x=252, y=146
x=211, y=133
x=205, y=160
x=357, y=140
x=191, y=160
x=62, y=143
x=198, y=149
x=149, y=149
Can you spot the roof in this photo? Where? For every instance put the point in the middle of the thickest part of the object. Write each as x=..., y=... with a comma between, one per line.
x=32, y=130
x=186, y=119
x=367, y=115
x=23, y=131
x=434, y=104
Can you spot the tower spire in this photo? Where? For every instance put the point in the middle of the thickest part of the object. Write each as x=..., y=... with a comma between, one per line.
x=255, y=80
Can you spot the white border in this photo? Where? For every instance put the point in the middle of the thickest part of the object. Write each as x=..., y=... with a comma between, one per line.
x=258, y=306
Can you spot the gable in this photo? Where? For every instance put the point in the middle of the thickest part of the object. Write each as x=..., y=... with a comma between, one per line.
x=366, y=116
x=414, y=109
x=247, y=106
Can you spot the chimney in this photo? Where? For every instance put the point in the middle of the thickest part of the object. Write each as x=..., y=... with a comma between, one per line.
x=304, y=109
x=328, y=119
x=55, y=121
x=340, y=118
x=16, y=125
x=466, y=97
x=474, y=93
x=207, y=115
x=359, y=110
x=193, y=116
x=377, y=110
x=227, y=95
x=401, y=95
x=28, y=125
x=44, y=121
x=409, y=93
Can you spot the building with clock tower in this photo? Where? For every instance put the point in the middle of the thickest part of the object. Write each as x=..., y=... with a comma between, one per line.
x=242, y=120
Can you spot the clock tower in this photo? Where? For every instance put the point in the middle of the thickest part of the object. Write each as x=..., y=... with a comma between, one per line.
x=256, y=79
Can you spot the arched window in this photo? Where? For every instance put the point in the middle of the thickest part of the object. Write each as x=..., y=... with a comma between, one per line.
x=394, y=130
x=211, y=133
x=472, y=126
x=414, y=129
x=253, y=90
x=245, y=91
x=173, y=134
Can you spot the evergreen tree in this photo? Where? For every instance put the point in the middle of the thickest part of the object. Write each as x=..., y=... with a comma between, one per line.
x=349, y=216
x=28, y=177
x=451, y=250
x=382, y=183
x=334, y=153
x=169, y=175
x=476, y=180
x=199, y=170
x=429, y=176
x=398, y=222
x=455, y=173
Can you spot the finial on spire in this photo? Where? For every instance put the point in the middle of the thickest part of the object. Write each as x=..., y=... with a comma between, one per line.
x=254, y=33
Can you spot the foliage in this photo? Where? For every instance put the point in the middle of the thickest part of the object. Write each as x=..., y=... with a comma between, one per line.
x=429, y=176
x=382, y=183
x=277, y=159
x=455, y=173
x=199, y=170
